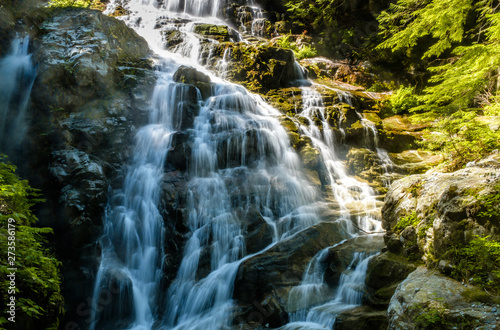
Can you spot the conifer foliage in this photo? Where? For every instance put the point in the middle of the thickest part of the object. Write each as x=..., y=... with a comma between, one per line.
x=461, y=38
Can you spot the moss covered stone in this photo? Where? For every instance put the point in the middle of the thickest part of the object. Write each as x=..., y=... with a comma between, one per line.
x=216, y=32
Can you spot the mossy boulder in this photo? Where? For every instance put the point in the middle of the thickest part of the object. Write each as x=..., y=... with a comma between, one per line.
x=361, y=318
x=428, y=300
x=287, y=100
x=364, y=163
x=219, y=33
x=399, y=134
x=262, y=67
x=385, y=272
x=415, y=161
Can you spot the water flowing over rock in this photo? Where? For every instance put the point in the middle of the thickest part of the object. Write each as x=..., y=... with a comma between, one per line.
x=18, y=74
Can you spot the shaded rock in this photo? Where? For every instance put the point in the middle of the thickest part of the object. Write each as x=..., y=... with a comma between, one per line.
x=189, y=75
x=7, y=24
x=180, y=151
x=384, y=273
x=173, y=203
x=258, y=233
x=361, y=318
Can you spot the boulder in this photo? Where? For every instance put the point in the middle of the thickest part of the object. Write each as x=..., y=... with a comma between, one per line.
x=385, y=272
x=215, y=32
x=361, y=318
x=258, y=233
x=399, y=134
x=191, y=76
x=447, y=209
x=173, y=206
x=270, y=275
x=427, y=300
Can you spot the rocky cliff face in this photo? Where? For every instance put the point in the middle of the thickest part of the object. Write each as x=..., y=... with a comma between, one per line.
x=93, y=87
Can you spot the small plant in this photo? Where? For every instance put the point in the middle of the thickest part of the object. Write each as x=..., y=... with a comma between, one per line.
x=479, y=260
x=304, y=51
x=39, y=303
x=461, y=138
x=490, y=204
x=429, y=317
x=403, y=100
x=409, y=220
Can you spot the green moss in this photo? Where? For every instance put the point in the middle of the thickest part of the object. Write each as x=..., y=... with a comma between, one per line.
x=309, y=156
x=490, y=204
x=415, y=189
x=429, y=317
x=476, y=295
x=422, y=231
x=408, y=220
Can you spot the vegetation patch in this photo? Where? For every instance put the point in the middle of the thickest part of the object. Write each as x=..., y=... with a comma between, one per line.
x=478, y=262
x=39, y=303
x=408, y=220
x=301, y=52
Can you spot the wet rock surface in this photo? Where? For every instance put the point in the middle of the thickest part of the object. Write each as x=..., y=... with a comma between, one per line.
x=93, y=86
x=270, y=275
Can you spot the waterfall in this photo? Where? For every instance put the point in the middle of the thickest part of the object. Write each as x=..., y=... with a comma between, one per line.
x=241, y=165
x=241, y=160
x=354, y=198
x=131, y=245
x=385, y=161
x=18, y=74
x=348, y=294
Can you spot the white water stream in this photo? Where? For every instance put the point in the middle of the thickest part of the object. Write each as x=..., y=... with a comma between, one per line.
x=17, y=74
x=241, y=160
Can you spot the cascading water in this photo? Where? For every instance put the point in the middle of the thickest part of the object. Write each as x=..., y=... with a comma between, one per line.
x=18, y=74
x=348, y=294
x=241, y=165
x=241, y=161
x=354, y=198
x=131, y=246
x=386, y=162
